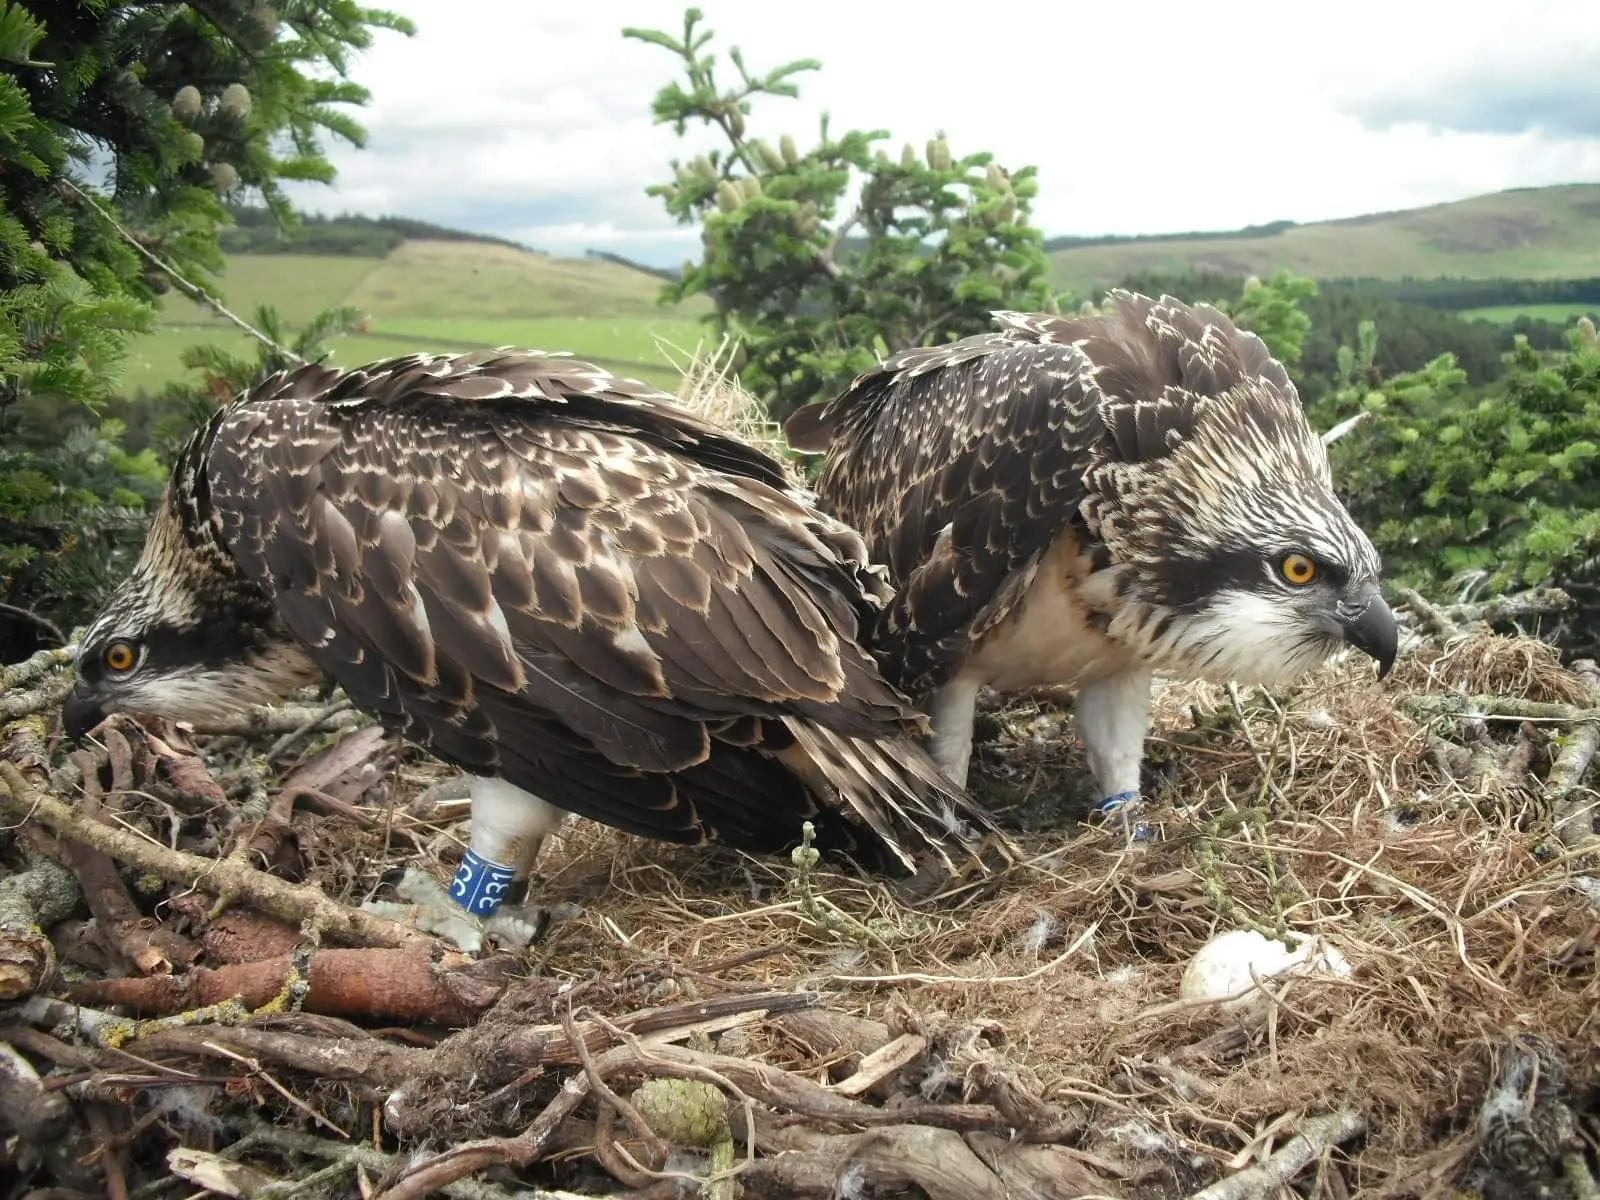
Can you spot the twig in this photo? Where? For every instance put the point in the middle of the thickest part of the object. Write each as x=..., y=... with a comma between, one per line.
x=436, y=1174
x=1315, y=1137
x=1432, y=706
x=288, y=902
x=105, y=1143
x=654, y=1147
x=321, y=720
x=1573, y=806
x=149, y=947
x=33, y=618
x=36, y=667
x=1431, y=616
x=1536, y=603
x=30, y=902
x=274, y=721
x=409, y=984
x=984, y=980
x=25, y=1107
x=196, y=293
x=357, y=1155
x=19, y=700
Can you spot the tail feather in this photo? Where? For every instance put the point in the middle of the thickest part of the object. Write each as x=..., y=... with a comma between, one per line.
x=896, y=789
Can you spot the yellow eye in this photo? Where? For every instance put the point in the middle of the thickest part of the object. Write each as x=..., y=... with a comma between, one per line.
x=120, y=656
x=1298, y=569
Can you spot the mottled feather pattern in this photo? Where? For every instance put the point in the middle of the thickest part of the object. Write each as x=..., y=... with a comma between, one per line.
x=537, y=569
x=1152, y=432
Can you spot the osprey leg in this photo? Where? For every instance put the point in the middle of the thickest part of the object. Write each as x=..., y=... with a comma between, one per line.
x=508, y=829
x=1114, y=721
x=950, y=717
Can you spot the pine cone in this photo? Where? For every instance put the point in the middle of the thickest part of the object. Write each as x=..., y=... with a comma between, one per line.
x=236, y=101
x=683, y=1111
x=186, y=104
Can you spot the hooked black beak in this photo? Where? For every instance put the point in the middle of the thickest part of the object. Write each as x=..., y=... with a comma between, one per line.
x=80, y=714
x=1372, y=630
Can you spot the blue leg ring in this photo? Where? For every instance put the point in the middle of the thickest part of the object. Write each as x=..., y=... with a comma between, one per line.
x=480, y=885
x=1127, y=810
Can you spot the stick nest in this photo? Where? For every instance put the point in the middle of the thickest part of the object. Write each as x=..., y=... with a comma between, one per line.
x=191, y=996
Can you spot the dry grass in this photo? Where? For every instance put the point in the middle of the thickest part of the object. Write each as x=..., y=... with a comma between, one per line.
x=1318, y=812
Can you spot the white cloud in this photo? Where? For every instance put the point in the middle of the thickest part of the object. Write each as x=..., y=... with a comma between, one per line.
x=509, y=118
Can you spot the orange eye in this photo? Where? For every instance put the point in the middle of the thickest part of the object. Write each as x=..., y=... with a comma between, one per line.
x=120, y=656
x=1298, y=569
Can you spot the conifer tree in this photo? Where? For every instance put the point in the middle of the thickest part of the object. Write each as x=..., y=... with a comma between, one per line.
x=124, y=128
x=813, y=284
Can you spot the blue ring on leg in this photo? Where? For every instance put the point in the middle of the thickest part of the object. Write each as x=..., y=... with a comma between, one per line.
x=1128, y=811
x=480, y=885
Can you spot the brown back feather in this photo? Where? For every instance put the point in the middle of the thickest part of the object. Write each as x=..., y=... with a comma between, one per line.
x=540, y=570
x=998, y=438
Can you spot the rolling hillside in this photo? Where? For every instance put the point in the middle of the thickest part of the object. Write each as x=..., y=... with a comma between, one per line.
x=1535, y=233
x=439, y=296
x=446, y=291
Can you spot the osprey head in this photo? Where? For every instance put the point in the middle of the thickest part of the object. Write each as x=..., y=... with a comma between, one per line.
x=1240, y=560
x=184, y=636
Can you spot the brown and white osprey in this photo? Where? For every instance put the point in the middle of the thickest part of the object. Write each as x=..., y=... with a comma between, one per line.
x=1085, y=502
x=557, y=579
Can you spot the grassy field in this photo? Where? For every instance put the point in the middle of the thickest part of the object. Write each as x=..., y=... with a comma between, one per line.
x=1504, y=314
x=297, y=285
x=455, y=295
x=442, y=296
x=1542, y=233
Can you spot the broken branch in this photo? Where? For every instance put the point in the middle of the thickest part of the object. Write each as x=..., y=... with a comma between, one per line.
x=288, y=902
x=1315, y=1137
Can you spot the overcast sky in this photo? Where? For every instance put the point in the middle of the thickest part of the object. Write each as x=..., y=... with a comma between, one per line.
x=532, y=120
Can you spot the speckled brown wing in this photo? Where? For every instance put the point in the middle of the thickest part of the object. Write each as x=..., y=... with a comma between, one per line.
x=960, y=464
x=542, y=571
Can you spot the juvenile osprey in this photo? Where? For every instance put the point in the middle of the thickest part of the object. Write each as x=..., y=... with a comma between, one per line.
x=1087, y=501
x=554, y=578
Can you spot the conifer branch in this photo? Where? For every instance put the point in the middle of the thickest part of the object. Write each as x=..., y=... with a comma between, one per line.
x=192, y=290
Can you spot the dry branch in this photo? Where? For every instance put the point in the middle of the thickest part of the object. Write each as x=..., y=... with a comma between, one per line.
x=30, y=902
x=151, y=949
x=1573, y=805
x=26, y=1108
x=286, y=901
x=1315, y=1137
x=1451, y=621
x=36, y=684
x=409, y=984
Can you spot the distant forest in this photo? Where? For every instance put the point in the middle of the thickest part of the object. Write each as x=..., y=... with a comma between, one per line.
x=1072, y=242
x=255, y=232
x=1455, y=294
x=1411, y=332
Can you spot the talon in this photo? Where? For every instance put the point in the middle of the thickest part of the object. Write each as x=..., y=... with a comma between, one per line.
x=426, y=904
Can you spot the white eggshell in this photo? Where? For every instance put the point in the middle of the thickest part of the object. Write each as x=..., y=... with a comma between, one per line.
x=1224, y=966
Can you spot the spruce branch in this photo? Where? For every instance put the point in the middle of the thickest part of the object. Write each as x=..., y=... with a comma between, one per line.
x=192, y=290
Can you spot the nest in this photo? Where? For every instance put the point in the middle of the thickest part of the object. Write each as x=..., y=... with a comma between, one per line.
x=1024, y=1026
x=192, y=996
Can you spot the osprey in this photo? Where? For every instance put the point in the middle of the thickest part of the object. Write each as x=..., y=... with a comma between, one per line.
x=1086, y=502
x=558, y=580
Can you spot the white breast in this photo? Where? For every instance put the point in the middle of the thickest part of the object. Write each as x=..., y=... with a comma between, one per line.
x=1048, y=639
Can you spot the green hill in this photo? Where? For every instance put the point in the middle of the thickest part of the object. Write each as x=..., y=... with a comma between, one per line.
x=424, y=287
x=442, y=296
x=1529, y=233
